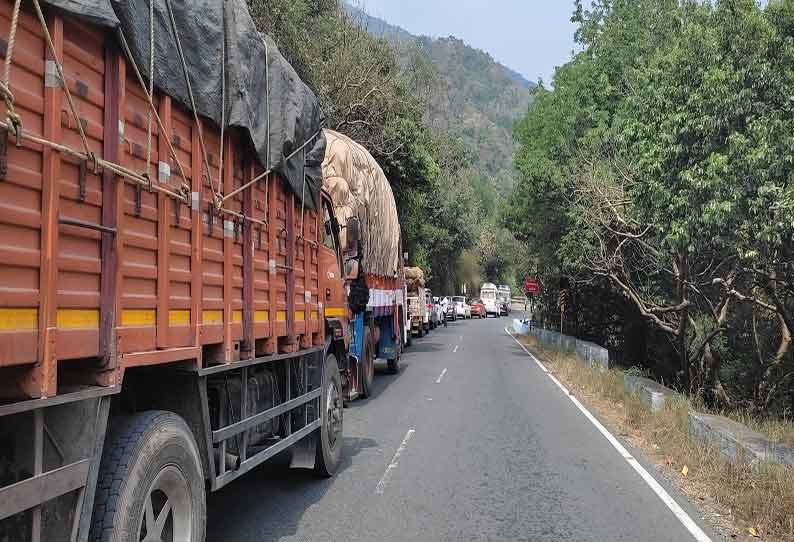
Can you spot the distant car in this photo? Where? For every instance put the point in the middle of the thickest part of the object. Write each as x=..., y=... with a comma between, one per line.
x=462, y=309
x=478, y=309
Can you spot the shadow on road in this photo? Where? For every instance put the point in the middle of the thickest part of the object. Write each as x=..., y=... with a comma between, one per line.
x=279, y=495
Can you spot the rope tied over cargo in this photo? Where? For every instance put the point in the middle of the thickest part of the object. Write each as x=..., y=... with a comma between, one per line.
x=64, y=83
x=14, y=120
x=186, y=73
x=153, y=109
x=13, y=123
x=269, y=171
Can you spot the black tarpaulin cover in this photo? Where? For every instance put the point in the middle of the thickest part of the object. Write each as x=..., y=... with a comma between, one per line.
x=264, y=95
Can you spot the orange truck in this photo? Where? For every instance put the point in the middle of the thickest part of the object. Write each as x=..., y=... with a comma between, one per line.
x=172, y=301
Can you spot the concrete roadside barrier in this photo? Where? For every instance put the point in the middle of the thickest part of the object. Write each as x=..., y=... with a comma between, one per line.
x=587, y=352
x=734, y=441
x=650, y=392
x=737, y=442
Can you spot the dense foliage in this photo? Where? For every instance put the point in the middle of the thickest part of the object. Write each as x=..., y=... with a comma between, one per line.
x=436, y=115
x=656, y=187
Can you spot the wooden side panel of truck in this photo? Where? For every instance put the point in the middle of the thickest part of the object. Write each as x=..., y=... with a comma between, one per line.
x=118, y=297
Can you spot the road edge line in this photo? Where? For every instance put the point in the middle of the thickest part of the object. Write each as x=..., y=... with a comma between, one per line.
x=680, y=514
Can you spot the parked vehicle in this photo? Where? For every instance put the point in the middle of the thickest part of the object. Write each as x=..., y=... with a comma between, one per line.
x=488, y=294
x=418, y=313
x=462, y=309
x=478, y=309
x=505, y=297
x=373, y=267
x=181, y=295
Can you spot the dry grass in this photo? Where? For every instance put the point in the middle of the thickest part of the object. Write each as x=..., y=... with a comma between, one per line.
x=780, y=430
x=761, y=500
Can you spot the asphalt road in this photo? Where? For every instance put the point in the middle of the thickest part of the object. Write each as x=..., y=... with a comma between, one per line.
x=470, y=441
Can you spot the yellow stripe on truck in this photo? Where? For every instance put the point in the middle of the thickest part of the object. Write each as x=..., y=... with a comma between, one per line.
x=19, y=319
x=212, y=317
x=335, y=312
x=78, y=318
x=261, y=316
x=138, y=317
x=179, y=318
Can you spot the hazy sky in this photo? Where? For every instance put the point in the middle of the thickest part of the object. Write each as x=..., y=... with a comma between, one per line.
x=529, y=36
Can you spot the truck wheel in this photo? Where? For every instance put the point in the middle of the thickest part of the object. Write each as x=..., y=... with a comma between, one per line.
x=367, y=365
x=151, y=485
x=393, y=365
x=329, y=443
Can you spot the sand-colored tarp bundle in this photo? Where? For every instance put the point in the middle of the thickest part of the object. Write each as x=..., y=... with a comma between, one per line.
x=414, y=278
x=359, y=188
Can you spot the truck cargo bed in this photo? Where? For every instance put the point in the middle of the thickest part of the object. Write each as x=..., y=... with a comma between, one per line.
x=100, y=272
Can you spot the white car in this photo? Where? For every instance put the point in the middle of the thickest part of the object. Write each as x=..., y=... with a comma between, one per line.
x=462, y=309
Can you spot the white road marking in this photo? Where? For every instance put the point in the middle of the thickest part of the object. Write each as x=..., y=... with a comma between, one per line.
x=674, y=507
x=455, y=349
x=381, y=487
x=438, y=380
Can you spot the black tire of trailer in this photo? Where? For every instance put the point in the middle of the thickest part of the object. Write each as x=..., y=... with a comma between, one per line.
x=367, y=365
x=393, y=365
x=149, y=454
x=328, y=454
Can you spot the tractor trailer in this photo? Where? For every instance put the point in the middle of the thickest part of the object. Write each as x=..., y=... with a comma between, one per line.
x=173, y=308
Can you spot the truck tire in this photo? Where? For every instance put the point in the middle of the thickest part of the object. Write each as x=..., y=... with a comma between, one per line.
x=393, y=365
x=151, y=483
x=367, y=365
x=328, y=454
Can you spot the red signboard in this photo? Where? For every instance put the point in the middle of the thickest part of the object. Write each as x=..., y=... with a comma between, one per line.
x=531, y=286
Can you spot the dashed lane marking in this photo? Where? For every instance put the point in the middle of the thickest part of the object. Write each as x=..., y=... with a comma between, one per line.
x=384, y=480
x=441, y=376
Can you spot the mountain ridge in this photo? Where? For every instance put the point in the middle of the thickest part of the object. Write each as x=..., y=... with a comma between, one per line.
x=478, y=98
x=381, y=28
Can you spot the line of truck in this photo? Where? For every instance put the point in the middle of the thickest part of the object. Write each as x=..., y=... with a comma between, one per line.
x=185, y=293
